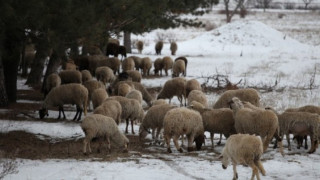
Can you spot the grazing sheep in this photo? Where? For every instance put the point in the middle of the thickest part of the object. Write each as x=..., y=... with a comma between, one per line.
x=124, y=89
x=99, y=126
x=139, y=46
x=310, y=109
x=178, y=68
x=114, y=64
x=159, y=102
x=131, y=110
x=138, y=86
x=167, y=64
x=185, y=62
x=72, y=93
x=243, y=149
x=101, y=60
x=91, y=86
x=158, y=66
x=69, y=65
x=123, y=51
x=300, y=124
x=198, y=96
x=137, y=62
x=110, y=108
x=70, y=76
x=154, y=120
x=256, y=121
x=173, y=48
x=105, y=75
x=86, y=75
x=183, y=121
x=135, y=94
x=192, y=84
x=146, y=65
x=53, y=80
x=158, y=47
x=135, y=75
x=174, y=87
x=128, y=64
x=115, y=41
x=215, y=120
x=249, y=94
x=98, y=96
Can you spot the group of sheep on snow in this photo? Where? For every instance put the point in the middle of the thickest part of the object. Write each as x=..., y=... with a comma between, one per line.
x=237, y=114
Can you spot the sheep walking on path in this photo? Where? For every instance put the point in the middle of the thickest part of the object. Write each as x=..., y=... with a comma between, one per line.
x=243, y=149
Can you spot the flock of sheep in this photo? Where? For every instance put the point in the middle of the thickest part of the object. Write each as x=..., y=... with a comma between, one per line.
x=117, y=96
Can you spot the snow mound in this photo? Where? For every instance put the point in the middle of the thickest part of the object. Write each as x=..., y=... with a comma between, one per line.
x=244, y=35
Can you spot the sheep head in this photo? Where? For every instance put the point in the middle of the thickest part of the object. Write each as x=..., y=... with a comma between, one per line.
x=199, y=141
x=43, y=112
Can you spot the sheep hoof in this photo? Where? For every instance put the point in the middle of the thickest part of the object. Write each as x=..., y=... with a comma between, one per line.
x=190, y=149
x=180, y=150
x=169, y=150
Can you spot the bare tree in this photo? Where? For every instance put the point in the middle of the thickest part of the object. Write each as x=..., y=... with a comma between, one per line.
x=229, y=14
x=306, y=3
x=265, y=4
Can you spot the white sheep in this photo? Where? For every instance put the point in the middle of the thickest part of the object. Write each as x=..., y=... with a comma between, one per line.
x=72, y=93
x=183, y=121
x=159, y=102
x=256, y=121
x=137, y=62
x=216, y=120
x=131, y=110
x=178, y=68
x=110, y=108
x=174, y=87
x=86, y=75
x=185, y=62
x=135, y=94
x=198, y=96
x=91, y=86
x=128, y=64
x=154, y=120
x=99, y=126
x=243, y=149
x=124, y=89
x=135, y=75
x=146, y=65
x=98, y=96
x=248, y=94
x=192, y=84
x=70, y=76
x=105, y=74
x=53, y=80
x=167, y=64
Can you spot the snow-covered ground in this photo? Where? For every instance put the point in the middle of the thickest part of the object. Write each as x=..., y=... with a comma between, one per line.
x=251, y=50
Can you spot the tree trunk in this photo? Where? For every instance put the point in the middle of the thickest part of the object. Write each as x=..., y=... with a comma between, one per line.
x=53, y=65
x=34, y=78
x=127, y=41
x=3, y=93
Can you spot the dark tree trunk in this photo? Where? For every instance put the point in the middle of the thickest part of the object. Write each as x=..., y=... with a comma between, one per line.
x=127, y=41
x=3, y=93
x=34, y=78
x=53, y=65
x=10, y=60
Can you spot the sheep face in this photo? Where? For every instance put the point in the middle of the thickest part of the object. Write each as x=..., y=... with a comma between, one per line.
x=43, y=112
x=225, y=161
x=199, y=141
x=143, y=132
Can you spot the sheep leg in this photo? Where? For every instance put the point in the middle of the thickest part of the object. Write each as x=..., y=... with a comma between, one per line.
x=132, y=127
x=86, y=143
x=235, y=174
x=167, y=139
x=313, y=145
x=288, y=140
x=77, y=113
x=109, y=144
x=260, y=167
x=127, y=124
x=219, y=142
x=190, y=141
x=211, y=137
x=255, y=171
x=305, y=142
x=157, y=134
x=176, y=143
